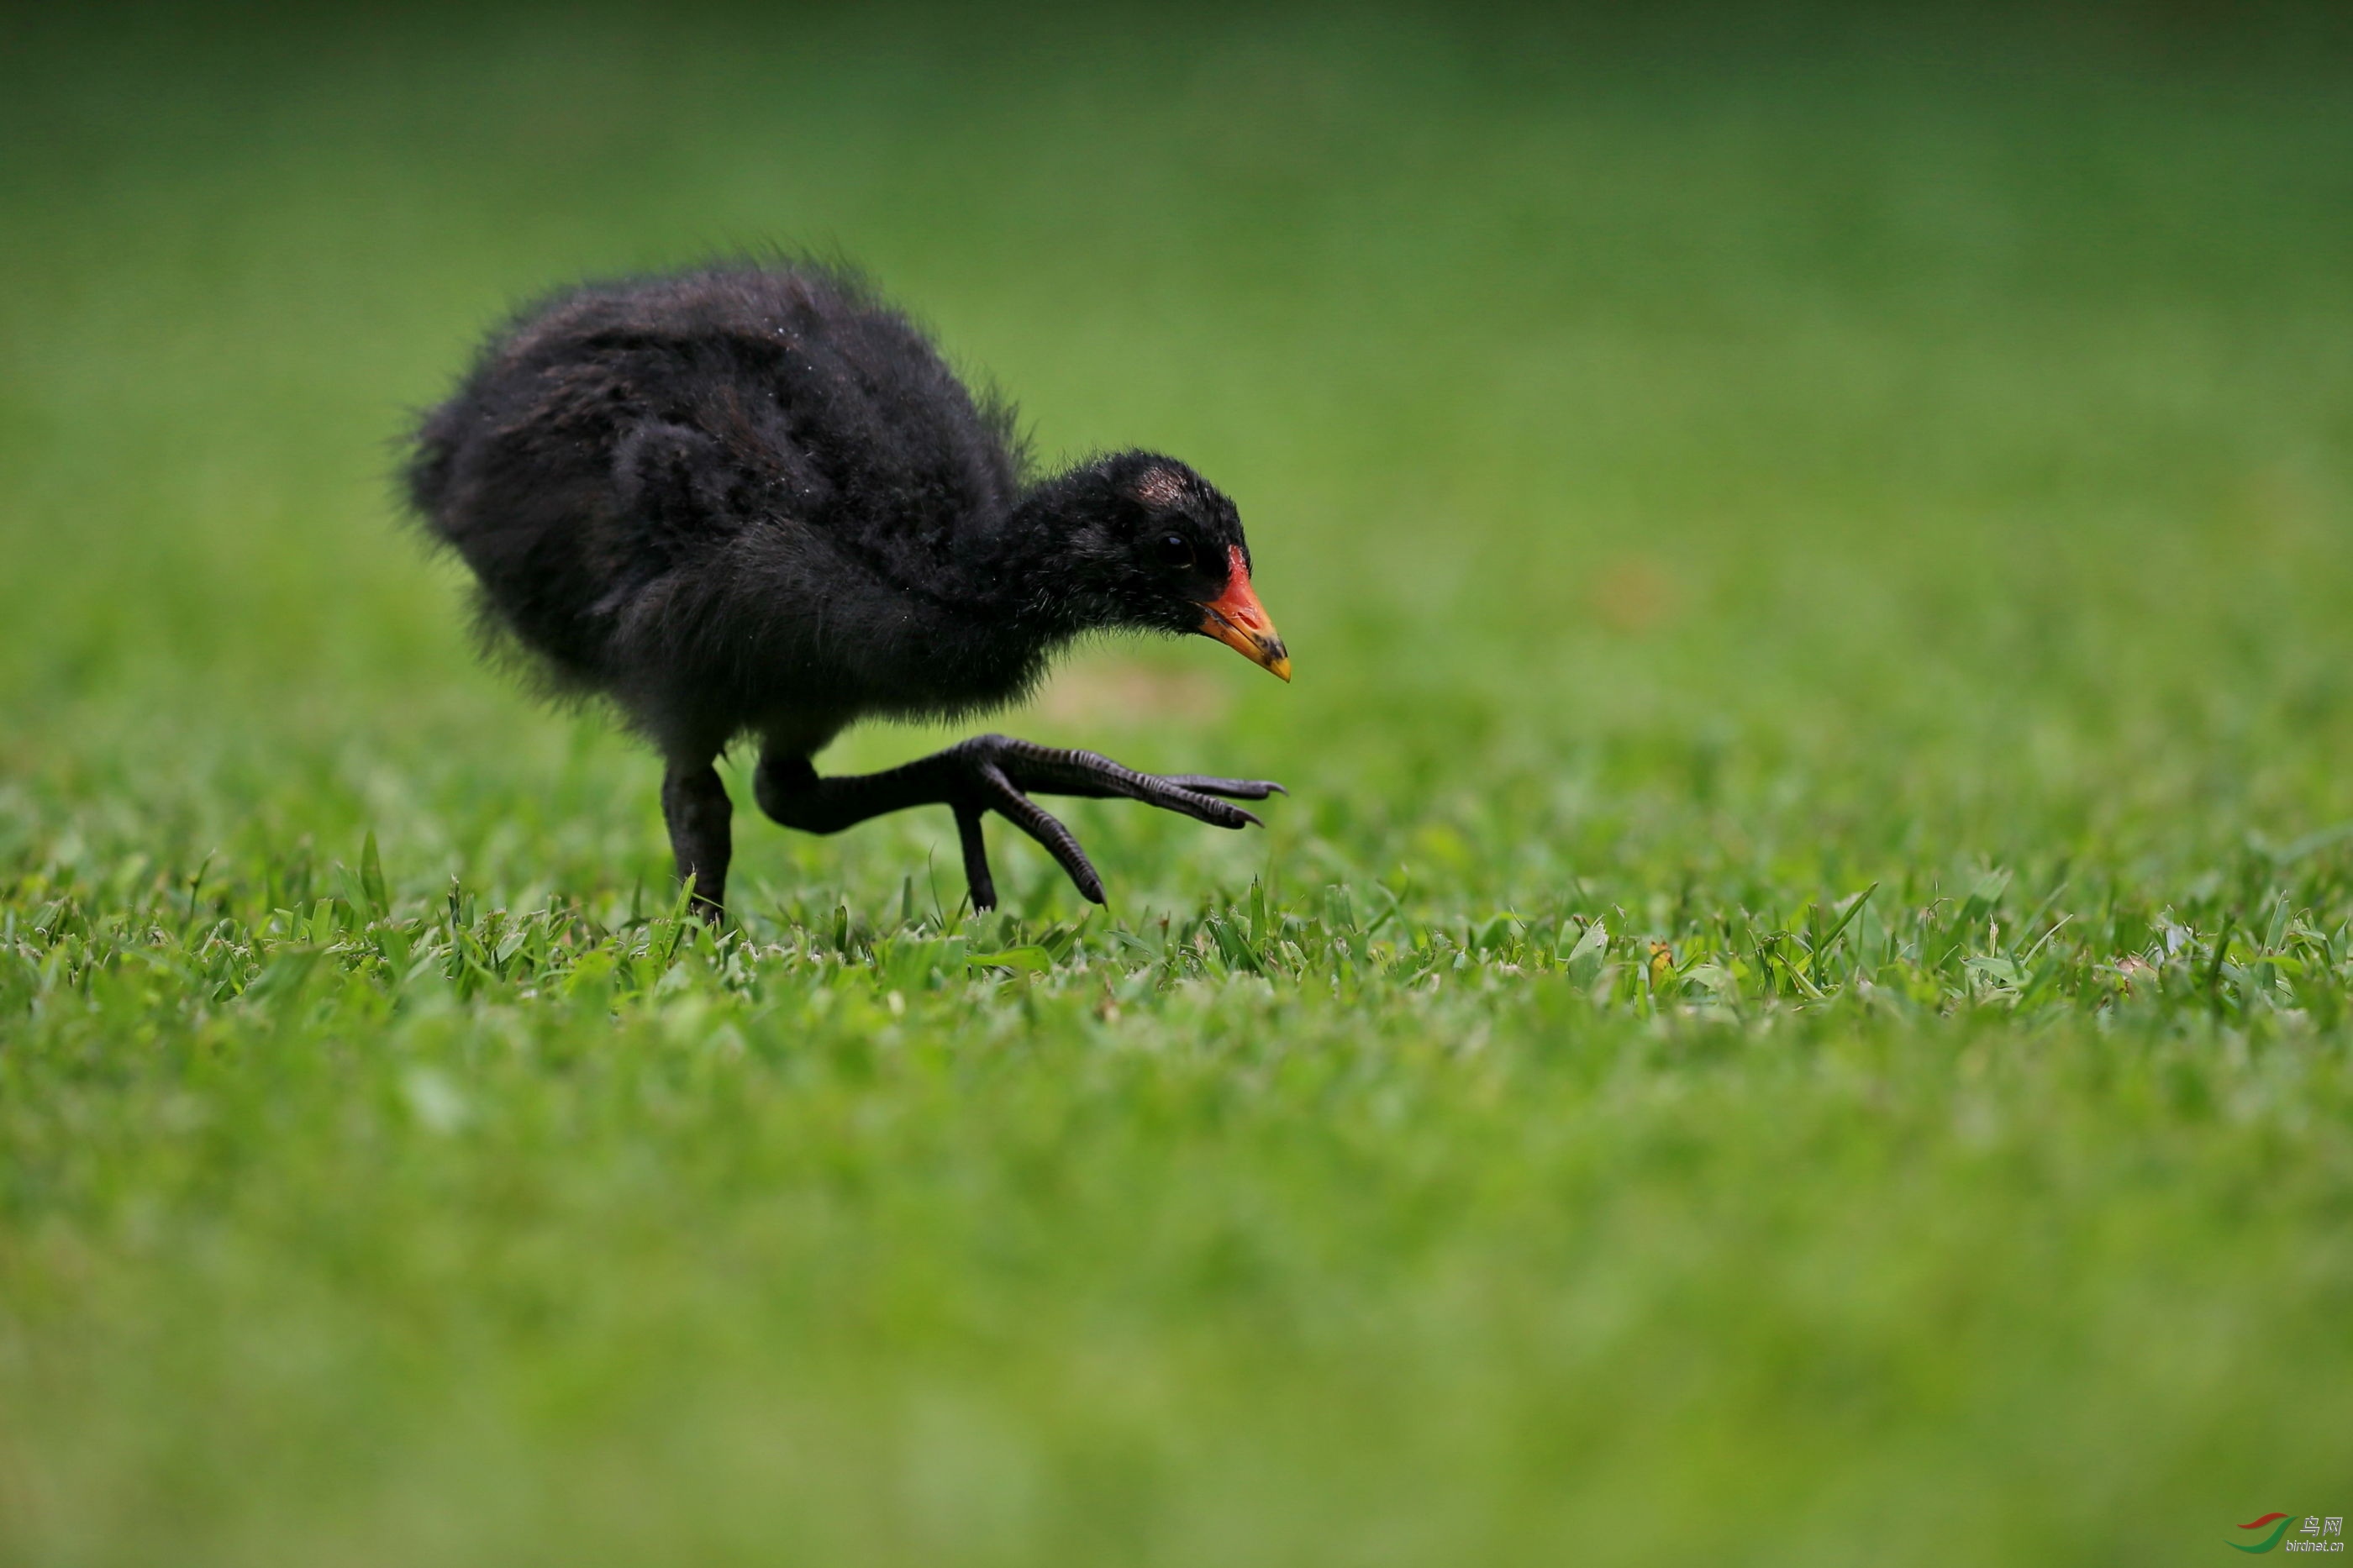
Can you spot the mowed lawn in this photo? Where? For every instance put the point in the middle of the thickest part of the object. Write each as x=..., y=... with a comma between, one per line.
x=1798, y=1011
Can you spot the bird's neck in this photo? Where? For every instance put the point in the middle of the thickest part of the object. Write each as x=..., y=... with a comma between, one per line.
x=1030, y=572
x=983, y=625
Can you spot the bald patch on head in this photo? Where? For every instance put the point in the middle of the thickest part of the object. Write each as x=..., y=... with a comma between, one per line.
x=1160, y=488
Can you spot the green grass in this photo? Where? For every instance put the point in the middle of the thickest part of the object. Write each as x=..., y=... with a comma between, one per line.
x=1798, y=1011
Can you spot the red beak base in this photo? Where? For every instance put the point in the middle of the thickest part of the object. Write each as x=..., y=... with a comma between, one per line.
x=1236, y=619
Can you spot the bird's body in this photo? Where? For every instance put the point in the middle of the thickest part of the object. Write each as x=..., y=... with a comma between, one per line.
x=755, y=500
x=674, y=493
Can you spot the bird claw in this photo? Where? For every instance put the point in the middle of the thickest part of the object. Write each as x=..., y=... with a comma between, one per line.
x=1002, y=771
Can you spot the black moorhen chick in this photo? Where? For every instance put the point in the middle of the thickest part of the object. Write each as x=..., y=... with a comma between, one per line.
x=754, y=499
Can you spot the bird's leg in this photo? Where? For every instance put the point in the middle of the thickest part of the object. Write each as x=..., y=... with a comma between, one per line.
x=696, y=807
x=993, y=773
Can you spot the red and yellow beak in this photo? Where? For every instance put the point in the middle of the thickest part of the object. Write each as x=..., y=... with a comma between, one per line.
x=1236, y=619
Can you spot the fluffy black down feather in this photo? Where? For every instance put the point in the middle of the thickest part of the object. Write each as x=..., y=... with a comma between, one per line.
x=742, y=498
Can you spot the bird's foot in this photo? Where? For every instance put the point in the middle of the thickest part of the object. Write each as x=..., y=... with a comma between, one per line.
x=998, y=773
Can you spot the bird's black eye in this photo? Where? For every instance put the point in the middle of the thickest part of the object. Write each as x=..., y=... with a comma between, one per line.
x=1176, y=551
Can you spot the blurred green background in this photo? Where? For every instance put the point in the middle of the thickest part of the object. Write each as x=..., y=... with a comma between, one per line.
x=1707, y=465
x=1956, y=400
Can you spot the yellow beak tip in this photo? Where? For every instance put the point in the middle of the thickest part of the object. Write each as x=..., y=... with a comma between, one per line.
x=1281, y=668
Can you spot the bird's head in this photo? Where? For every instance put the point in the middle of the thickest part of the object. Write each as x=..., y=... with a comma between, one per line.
x=1143, y=541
